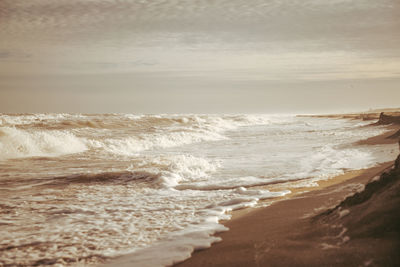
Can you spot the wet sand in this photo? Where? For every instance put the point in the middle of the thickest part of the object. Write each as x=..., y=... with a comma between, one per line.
x=286, y=233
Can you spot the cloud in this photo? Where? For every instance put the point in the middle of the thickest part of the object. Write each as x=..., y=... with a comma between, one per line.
x=333, y=24
x=273, y=38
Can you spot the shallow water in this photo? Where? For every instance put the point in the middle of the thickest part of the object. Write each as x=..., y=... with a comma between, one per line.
x=78, y=189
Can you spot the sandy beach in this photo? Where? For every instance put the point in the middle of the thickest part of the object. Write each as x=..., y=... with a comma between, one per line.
x=319, y=227
x=76, y=191
x=199, y=133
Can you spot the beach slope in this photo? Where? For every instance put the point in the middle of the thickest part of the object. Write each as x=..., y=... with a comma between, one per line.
x=310, y=230
x=352, y=223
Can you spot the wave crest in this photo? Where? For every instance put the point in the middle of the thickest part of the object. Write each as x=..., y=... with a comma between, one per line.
x=172, y=170
x=16, y=143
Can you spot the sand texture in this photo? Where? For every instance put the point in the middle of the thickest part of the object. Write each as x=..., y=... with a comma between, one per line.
x=293, y=232
x=351, y=220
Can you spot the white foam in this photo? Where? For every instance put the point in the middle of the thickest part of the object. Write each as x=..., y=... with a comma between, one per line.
x=174, y=169
x=175, y=248
x=329, y=161
x=228, y=183
x=16, y=143
x=261, y=194
x=15, y=120
x=132, y=145
x=185, y=173
x=178, y=130
x=180, y=245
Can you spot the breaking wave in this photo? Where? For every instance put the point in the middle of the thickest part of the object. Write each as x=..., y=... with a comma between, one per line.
x=132, y=188
x=15, y=143
x=58, y=134
x=171, y=170
x=132, y=145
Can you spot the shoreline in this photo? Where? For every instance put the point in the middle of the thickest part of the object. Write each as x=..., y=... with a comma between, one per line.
x=280, y=234
x=263, y=236
x=297, y=191
x=250, y=228
x=321, y=184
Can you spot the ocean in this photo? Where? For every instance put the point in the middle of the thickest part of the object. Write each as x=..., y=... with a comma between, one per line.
x=79, y=189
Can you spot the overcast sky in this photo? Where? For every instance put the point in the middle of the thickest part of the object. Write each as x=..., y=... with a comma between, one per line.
x=199, y=56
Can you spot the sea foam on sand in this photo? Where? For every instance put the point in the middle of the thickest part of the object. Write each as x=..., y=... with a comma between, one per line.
x=141, y=185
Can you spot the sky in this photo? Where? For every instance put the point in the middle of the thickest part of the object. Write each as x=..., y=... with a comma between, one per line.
x=199, y=56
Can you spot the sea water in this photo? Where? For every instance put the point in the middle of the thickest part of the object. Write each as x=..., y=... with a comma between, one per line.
x=80, y=189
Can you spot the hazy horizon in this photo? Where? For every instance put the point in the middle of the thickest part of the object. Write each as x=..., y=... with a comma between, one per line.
x=106, y=56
